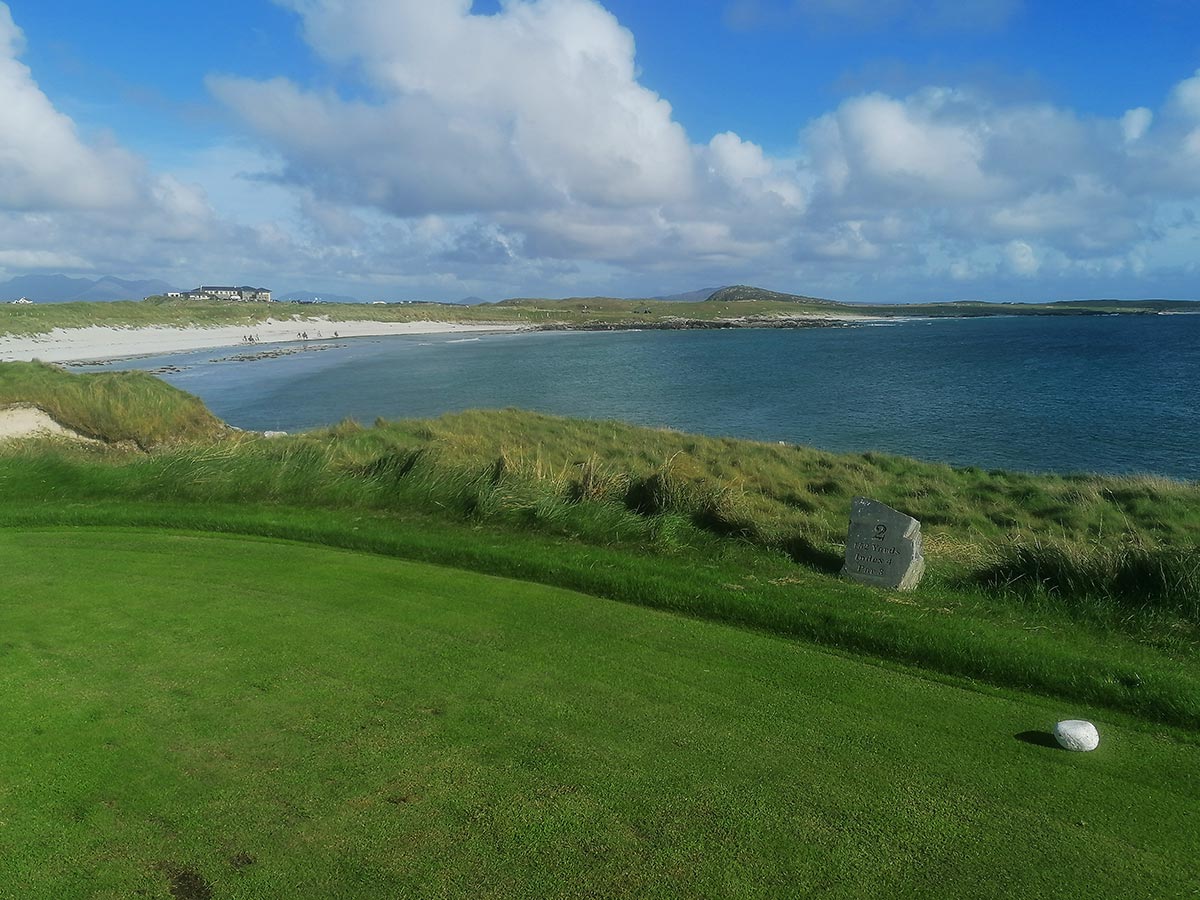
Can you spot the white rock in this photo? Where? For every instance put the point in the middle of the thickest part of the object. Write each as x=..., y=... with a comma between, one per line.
x=1076, y=734
x=274, y=434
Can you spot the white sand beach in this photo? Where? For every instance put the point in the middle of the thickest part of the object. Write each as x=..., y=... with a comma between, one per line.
x=104, y=343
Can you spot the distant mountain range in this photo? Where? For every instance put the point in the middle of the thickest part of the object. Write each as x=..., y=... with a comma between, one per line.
x=62, y=289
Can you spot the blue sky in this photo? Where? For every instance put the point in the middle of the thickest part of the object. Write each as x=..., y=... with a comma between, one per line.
x=887, y=150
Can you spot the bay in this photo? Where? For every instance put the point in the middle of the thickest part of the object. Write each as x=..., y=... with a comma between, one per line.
x=1113, y=394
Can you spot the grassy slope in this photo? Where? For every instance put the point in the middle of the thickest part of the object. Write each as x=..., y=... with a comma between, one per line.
x=111, y=406
x=283, y=720
x=709, y=527
x=435, y=491
x=942, y=632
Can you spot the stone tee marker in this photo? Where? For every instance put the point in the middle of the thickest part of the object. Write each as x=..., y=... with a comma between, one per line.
x=883, y=546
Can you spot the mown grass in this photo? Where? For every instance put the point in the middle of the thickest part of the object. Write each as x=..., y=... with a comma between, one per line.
x=1153, y=674
x=237, y=718
x=111, y=406
x=760, y=525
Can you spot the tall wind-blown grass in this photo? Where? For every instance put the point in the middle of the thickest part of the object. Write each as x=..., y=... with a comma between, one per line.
x=1130, y=576
x=111, y=406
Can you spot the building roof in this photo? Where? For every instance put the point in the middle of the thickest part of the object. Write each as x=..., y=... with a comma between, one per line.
x=244, y=287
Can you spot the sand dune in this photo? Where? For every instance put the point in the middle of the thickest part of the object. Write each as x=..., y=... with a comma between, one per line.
x=25, y=420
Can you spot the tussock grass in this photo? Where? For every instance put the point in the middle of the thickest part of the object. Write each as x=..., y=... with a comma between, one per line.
x=1131, y=576
x=111, y=406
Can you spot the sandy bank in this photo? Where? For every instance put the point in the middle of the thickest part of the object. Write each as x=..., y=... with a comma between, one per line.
x=100, y=343
x=23, y=420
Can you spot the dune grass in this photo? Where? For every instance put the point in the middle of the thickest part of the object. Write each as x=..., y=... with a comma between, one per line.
x=111, y=406
x=202, y=716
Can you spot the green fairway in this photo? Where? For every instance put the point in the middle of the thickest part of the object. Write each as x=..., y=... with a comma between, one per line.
x=201, y=716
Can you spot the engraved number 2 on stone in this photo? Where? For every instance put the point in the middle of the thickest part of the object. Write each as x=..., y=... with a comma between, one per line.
x=880, y=531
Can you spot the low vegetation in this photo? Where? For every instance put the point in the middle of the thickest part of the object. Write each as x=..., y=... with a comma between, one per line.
x=517, y=655
x=114, y=407
x=1078, y=586
x=729, y=304
x=207, y=717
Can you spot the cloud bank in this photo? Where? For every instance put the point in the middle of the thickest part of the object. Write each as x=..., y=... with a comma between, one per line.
x=519, y=152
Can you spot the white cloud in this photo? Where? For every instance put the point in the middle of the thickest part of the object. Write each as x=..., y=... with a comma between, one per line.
x=1185, y=97
x=920, y=148
x=40, y=260
x=1022, y=259
x=531, y=107
x=1135, y=123
x=43, y=162
x=70, y=204
x=530, y=131
x=519, y=153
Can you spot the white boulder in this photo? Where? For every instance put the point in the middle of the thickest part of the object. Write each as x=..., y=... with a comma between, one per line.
x=1076, y=734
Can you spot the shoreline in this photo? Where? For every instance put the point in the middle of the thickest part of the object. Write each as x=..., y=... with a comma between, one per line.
x=98, y=343
x=105, y=343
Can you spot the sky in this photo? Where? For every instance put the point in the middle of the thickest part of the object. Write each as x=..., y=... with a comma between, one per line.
x=862, y=150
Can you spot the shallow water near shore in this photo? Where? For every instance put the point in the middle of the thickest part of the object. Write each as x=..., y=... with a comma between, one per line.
x=1100, y=394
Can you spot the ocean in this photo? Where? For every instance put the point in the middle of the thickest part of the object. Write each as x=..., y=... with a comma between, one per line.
x=1114, y=394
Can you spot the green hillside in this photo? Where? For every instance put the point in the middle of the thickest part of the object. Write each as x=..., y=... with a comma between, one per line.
x=217, y=717
x=517, y=655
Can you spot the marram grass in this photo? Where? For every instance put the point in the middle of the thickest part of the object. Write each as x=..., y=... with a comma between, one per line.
x=111, y=406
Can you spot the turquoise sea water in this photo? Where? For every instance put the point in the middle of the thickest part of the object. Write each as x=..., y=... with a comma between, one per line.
x=1104, y=394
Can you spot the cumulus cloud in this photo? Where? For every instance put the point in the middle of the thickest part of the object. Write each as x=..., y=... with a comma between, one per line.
x=519, y=152
x=1022, y=259
x=1135, y=123
x=58, y=190
x=967, y=169
x=528, y=137
x=531, y=120
x=532, y=107
x=43, y=161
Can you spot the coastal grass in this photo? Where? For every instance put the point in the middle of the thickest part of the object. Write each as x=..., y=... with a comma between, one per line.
x=1075, y=586
x=587, y=312
x=209, y=716
x=111, y=406
x=738, y=305
x=1153, y=674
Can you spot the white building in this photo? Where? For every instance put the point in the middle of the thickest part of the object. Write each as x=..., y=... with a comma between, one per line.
x=243, y=293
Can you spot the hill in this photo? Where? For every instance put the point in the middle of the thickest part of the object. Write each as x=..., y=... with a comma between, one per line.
x=691, y=296
x=743, y=292
x=213, y=716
